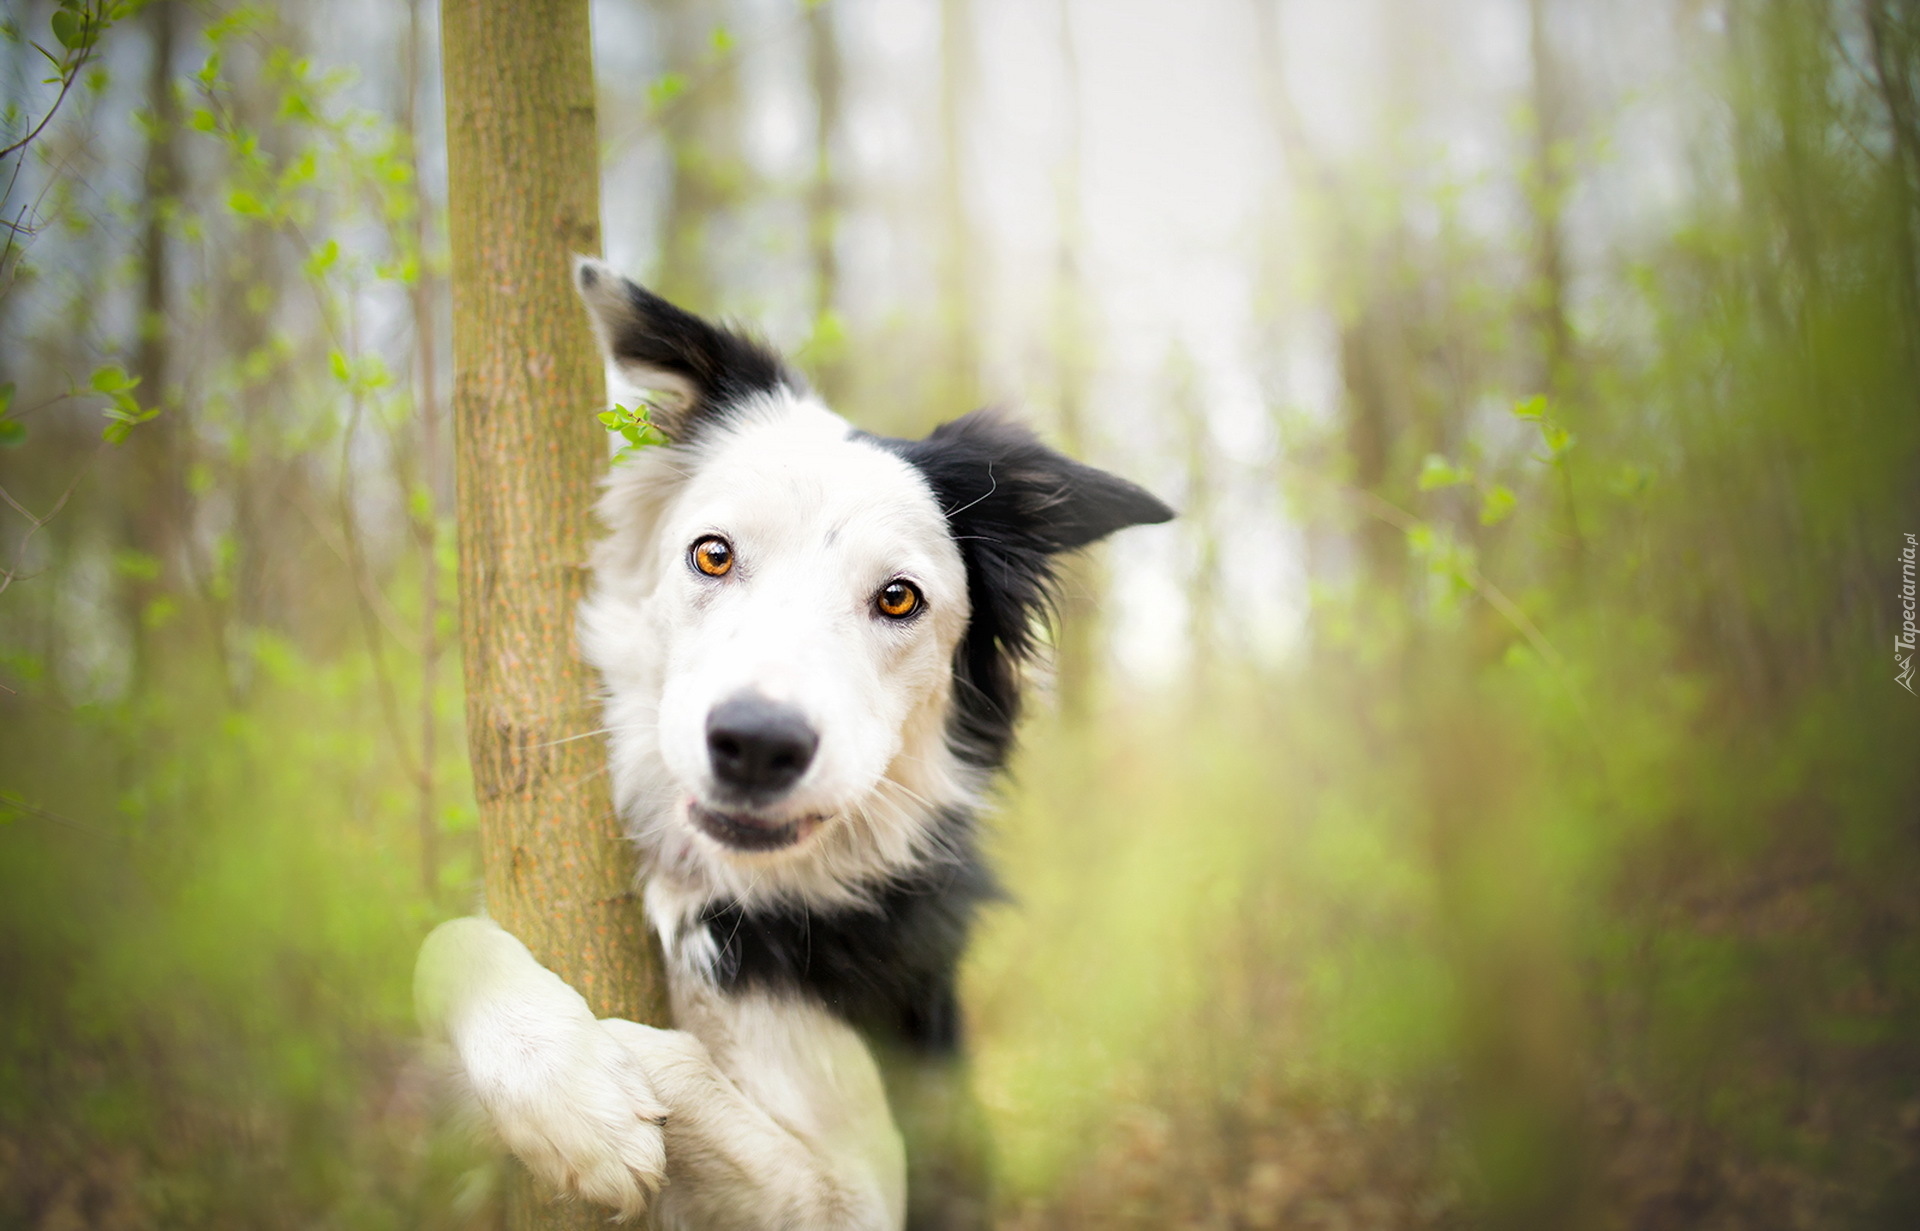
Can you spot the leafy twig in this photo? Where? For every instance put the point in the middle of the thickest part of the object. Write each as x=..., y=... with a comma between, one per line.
x=634, y=426
x=78, y=34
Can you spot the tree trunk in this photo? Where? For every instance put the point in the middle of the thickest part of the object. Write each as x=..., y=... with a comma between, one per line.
x=154, y=497
x=823, y=204
x=960, y=345
x=1200, y=515
x=523, y=194
x=1549, y=185
x=710, y=170
x=425, y=305
x=1559, y=375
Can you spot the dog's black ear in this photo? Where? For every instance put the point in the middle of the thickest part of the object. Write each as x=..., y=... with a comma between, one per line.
x=1013, y=505
x=689, y=370
x=993, y=474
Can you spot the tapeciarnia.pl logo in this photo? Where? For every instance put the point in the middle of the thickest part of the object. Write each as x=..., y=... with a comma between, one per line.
x=1904, y=639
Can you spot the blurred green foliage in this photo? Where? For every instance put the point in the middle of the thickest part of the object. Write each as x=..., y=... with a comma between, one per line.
x=1566, y=875
x=1591, y=906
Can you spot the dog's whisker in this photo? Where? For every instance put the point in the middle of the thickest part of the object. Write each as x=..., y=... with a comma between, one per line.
x=615, y=729
x=569, y=739
x=894, y=784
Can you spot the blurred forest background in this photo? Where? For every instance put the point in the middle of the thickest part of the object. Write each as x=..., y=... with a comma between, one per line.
x=1491, y=804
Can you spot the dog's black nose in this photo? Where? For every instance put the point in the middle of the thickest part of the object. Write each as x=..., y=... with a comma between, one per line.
x=757, y=746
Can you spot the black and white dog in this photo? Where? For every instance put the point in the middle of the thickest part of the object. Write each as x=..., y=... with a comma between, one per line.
x=811, y=641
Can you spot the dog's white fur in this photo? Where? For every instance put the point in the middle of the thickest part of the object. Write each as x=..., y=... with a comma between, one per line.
x=759, y=1111
x=819, y=521
x=763, y=1112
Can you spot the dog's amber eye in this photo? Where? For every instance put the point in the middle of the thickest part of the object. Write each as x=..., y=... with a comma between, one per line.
x=897, y=599
x=713, y=556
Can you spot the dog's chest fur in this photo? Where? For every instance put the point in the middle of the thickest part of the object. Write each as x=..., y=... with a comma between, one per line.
x=887, y=969
x=884, y=965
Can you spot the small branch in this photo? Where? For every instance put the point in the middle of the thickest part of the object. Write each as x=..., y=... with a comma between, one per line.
x=91, y=27
x=7, y=575
x=389, y=618
x=101, y=833
x=65, y=85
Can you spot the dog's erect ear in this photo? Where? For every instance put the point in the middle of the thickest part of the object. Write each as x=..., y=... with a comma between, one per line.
x=994, y=476
x=689, y=370
x=1012, y=505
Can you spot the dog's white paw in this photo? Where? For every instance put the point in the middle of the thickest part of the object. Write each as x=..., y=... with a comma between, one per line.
x=561, y=1089
x=579, y=1111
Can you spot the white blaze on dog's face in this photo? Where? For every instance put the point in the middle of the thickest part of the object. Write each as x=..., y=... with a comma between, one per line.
x=808, y=629
x=810, y=638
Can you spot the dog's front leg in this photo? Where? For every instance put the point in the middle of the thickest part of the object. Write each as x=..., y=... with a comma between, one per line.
x=610, y=1110
x=560, y=1089
x=782, y=1124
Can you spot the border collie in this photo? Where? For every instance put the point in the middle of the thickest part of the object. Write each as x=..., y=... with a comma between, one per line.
x=811, y=642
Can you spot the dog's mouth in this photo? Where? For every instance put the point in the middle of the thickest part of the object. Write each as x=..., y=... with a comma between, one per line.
x=743, y=831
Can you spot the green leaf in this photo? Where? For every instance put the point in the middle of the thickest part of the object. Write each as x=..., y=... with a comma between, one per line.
x=406, y=270
x=1495, y=504
x=300, y=171
x=246, y=204
x=722, y=39
x=160, y=612
x=6, y=397
x=1437, y=471
x=632, y=426
x=666, y=89
x=1558, y=439
x=1534, y=407
x=13, y=433
x=112, y=379
x=341, y=371
x=323, y=259
x=67, y=28
x=136, y=565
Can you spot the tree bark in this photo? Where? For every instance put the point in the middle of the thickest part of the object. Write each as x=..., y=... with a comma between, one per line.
x=523, y=194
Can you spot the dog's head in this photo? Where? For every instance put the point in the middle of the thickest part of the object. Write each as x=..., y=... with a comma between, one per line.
x=811, y=637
